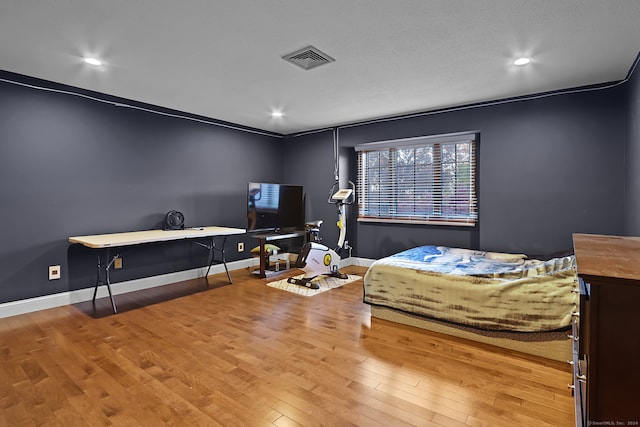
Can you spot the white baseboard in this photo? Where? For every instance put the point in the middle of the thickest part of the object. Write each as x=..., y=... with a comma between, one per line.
x=15, y=308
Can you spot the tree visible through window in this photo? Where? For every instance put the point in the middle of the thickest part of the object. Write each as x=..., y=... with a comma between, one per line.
x=424, y=180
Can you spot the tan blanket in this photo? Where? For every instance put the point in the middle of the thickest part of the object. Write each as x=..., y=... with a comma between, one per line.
x=492, y=291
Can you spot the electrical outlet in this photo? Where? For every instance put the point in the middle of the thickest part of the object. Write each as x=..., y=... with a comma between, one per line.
x=54, y=272
x=240, y=246
x=117, y=263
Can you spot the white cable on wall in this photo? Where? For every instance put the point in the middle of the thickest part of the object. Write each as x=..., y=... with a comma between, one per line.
x=335, y=129
x=134, y=107
x=482, y=104
x=336, y=154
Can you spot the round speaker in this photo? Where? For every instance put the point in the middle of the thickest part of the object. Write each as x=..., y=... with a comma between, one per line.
x=174, y=220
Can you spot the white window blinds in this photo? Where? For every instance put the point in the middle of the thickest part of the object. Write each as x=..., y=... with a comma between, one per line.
x=419, y=180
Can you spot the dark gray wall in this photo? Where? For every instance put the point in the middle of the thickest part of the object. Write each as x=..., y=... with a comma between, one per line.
x=548, y=167
x=309, y=162
x=632, y=207
x=73, y=166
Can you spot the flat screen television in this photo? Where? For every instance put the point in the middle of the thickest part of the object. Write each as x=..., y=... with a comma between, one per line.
x=274, y=207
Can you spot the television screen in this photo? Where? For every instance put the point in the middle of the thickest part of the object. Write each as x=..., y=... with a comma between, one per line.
x=274, y=207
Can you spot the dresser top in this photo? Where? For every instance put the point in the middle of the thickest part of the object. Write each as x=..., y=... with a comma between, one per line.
x=615, y=257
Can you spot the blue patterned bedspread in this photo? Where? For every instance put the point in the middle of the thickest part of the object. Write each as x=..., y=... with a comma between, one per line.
x=489, y=290
x=468, y=262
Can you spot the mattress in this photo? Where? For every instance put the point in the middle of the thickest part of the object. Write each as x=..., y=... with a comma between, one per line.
x=486, y=290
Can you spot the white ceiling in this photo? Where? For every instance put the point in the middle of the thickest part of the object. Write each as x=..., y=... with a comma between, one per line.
x=222, y=59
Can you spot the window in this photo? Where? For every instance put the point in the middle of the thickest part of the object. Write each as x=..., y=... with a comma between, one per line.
x=427, y=180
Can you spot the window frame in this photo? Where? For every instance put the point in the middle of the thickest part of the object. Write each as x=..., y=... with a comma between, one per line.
x=436, y=143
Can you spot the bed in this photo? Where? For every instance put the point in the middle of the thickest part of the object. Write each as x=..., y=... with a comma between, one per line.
x=501, y=299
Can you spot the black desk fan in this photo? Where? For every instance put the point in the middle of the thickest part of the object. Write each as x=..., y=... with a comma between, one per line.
x=173, y=220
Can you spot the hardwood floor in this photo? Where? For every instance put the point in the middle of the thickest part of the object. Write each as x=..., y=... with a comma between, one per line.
x=248, y=354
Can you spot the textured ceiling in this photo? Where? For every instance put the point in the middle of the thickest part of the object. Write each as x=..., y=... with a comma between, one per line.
x=222, y=59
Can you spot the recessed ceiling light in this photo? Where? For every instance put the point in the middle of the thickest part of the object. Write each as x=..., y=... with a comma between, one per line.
x=92, y=61
x=522, y=61
x=277, y=114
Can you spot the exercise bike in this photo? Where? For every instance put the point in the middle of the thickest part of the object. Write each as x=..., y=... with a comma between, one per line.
x=317, y=259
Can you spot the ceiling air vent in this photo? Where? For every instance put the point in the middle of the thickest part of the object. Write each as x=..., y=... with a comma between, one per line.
x=308, y=58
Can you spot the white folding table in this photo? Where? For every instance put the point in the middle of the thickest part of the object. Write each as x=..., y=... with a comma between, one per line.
x=107, y=242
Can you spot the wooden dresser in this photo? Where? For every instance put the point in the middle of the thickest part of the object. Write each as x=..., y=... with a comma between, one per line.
x=606, y=331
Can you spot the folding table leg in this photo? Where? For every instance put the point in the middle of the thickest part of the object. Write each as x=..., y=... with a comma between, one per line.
x=106, y=282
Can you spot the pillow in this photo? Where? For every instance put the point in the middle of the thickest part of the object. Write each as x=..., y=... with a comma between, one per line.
x=505, y=257
x=559, y=254
x=269, y=248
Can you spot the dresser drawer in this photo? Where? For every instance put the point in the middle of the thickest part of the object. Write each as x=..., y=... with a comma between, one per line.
x=578, y=372
x=585, y=318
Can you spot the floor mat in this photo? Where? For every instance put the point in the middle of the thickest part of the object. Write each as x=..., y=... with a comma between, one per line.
x=326, y=283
